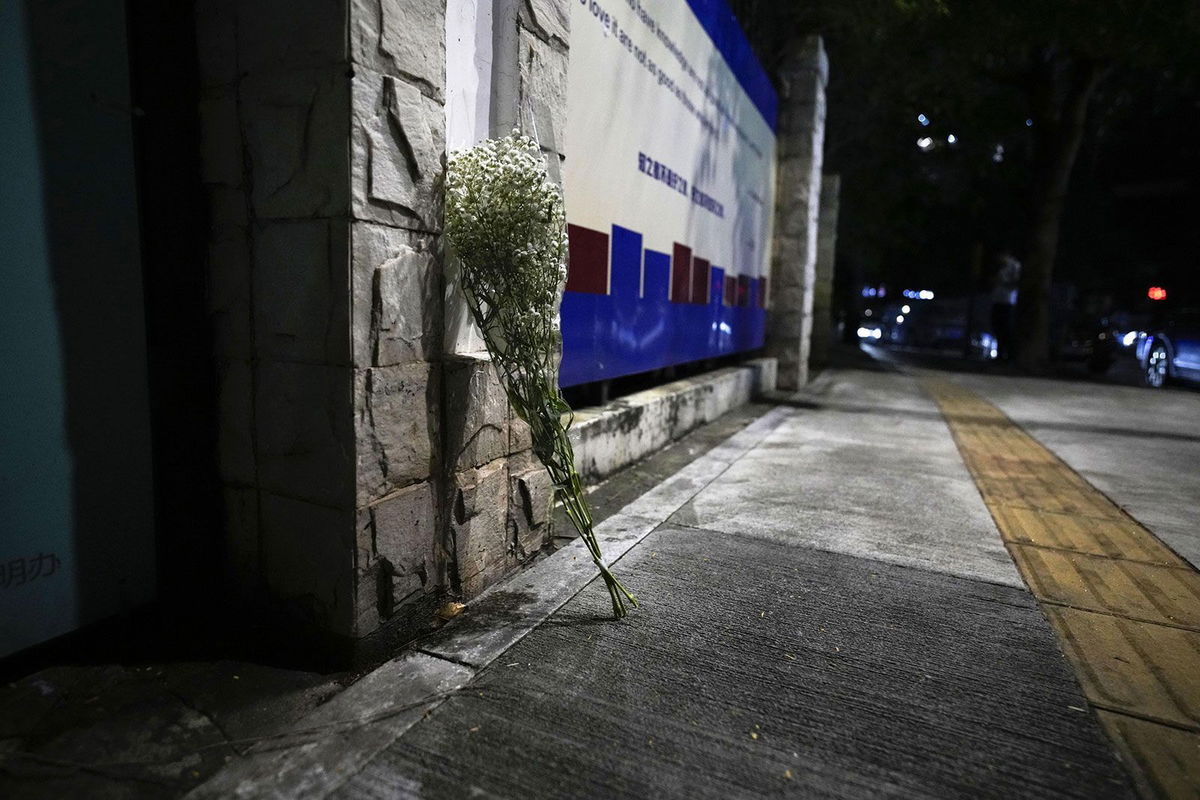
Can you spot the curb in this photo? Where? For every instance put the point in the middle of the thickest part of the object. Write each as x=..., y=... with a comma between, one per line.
x=607, y=438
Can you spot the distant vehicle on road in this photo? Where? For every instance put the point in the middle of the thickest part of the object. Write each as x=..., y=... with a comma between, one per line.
x=1086, y=339
x=1171, y=349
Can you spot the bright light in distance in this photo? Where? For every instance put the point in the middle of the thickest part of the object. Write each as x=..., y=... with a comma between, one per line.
x=921, y=118
x=899, y=319
x=924, y=143
x=868, y=313
x=1028, y=123
x=869, y=333
x=1129, y=338
x=998, y=154
x=951, y=139
x=924, y=294
x=1157, y=293
x=905, y=309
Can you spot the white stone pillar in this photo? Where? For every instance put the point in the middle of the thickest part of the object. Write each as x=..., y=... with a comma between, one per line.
x=322, y=139
x=822, y=327
x=801, y=139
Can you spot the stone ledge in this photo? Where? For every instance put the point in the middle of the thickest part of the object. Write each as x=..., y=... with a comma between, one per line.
x=610, y=437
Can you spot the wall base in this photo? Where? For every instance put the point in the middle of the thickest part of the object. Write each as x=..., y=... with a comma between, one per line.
x=607, y=438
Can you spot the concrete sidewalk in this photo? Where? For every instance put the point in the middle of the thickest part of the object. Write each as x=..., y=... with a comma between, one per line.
x=827, y=610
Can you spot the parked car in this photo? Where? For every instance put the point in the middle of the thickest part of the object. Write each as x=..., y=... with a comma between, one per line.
x=1088, y=340
x=1171, y=349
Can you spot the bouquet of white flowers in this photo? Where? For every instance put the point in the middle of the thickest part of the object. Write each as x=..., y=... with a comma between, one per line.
x=505, y=221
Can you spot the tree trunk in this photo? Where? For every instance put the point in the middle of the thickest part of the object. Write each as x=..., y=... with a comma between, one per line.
x=1059, y=95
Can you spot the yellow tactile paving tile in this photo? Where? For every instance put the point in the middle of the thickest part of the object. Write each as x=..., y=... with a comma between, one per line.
x=1137, y=668
x=1000, y=467
x=1042, y=495
x=1125, y=608
x=1168, y=757
x=1114, y=538
x=1166, y=595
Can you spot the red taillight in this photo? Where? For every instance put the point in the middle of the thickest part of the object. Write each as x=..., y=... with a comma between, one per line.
x=1157, y=293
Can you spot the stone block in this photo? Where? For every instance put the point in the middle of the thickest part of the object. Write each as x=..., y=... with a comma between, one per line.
x=786, y=323
x=476, y=412
x=611, y=437
x=723, y=390
x=305, y=438
x=216, y=42
x=798, y=140
x=286, y=35
x=398, y=541
x=220, y=138
x=543, y=86
x=520, y=437
x=229, y=292
x=531, y=495
x=766, y=372
x=301, y=312
x=396, y=421
x=371, y=593
x=226, y=206
x=398, y=140
x=396, y=310
x=296, y=128
x=242, y=538
x=797, y=181
x=308, y=560
x=549, y=19
x=401, y=37
x=478, y=525
x=235, y=429
x=684, y=411
x=791, y=298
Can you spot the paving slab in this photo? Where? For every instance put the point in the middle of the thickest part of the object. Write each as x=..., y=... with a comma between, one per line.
x=765, y=669
x=883, y=482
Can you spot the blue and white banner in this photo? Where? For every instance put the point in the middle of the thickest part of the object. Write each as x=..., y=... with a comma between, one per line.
x=670, y=187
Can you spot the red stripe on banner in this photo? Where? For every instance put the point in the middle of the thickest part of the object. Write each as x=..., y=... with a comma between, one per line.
x=587, y=260
x=700, y=280
x=730, y=289
x=681, y=274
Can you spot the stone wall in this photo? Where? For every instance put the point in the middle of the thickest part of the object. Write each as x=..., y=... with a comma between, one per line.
x=321, y=141
x=800, y=148
x=822, y=328
x=367, y=467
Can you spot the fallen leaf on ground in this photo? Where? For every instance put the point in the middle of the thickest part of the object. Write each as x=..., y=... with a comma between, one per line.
x=450, y=610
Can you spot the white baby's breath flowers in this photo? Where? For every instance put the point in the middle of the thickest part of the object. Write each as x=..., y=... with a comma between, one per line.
x=504, y=219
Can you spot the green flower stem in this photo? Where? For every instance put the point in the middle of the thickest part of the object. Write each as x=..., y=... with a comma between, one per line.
x=538, y=401
x=505, y=220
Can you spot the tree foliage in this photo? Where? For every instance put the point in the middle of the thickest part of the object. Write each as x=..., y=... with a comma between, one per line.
x=1033, y=77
